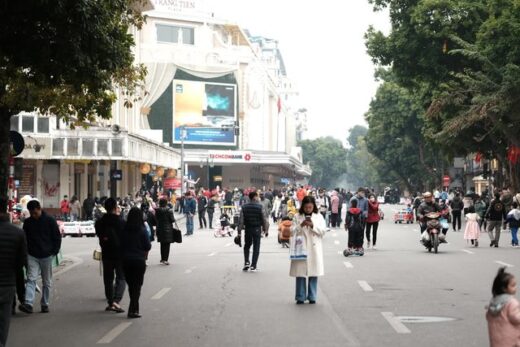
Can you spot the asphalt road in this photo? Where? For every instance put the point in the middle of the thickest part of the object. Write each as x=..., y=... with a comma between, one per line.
x=204, y=299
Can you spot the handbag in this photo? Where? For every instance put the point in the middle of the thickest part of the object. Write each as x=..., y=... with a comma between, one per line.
x=96, y=255
x=177, y=234
x=298, y=247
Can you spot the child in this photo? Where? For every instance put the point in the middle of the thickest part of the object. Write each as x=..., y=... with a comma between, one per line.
x=503, y=312
x=513, y=219
x=472, y=231
x=284, y=231
x=355, y=226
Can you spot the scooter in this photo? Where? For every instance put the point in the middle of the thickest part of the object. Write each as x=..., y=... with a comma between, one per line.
x=433, y=235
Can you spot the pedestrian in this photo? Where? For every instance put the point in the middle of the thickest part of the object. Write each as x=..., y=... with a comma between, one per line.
x=456, y=205
x=43, y=244
x=503, y=312
x=65, y=208
x=480, y=210
x=362, y=202
x=75, y=209
x=372, y=220
x=472, y=231
x=190, y=207
x=513, y=220
x=212, y=202
x=165, y=220
x=323, y=203
x=495, y=215
x=135, y=245
x=277, y=204
x=354, y=225
x=108, y=231
x=88, y=207
x=334, y=209
x=309, y=226
x=267, y=207
x=13, y=257
x=202, y=204
x=253, y=221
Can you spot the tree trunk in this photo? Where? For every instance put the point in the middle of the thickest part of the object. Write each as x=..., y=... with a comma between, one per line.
x=5, y=117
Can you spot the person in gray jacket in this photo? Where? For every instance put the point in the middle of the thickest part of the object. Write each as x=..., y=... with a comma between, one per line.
x=362, y=202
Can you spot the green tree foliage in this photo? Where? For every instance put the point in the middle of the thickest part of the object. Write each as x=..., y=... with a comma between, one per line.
x=66, y=58
x=326, y=156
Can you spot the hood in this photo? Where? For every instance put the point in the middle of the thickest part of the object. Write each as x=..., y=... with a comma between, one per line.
x=498, y=303
x=515, y=213
x=354, y=210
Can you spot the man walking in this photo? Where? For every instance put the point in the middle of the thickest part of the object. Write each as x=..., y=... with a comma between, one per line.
x=252, y=220
x=496, y=215
x=190, y=208
x=88, y=207
x=13, y=257
x=43, y=243
x=65, y=208
x=202, y=204
x=457, y=205
x=108, y=229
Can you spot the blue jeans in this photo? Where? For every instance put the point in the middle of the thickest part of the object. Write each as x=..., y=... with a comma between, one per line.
x=37, y=267
x=189, y=224
x=514, y=234
x=301, y=289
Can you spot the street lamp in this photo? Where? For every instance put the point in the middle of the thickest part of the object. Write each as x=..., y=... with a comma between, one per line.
x=184, y=135
x=209, y=163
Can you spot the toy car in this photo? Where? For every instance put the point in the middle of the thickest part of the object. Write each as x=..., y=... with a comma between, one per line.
x=403, y=216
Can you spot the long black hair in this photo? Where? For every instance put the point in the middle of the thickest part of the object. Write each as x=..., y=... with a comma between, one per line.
x=308, y=200
x=501, y=282
x=134, y=221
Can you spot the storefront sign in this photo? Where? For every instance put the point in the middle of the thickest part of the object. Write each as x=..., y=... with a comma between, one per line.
x=190, y=7
x=172, y=183
x=230, y=156
x=27, y=179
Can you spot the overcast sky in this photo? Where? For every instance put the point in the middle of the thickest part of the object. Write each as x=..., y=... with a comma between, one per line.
x=324, y=52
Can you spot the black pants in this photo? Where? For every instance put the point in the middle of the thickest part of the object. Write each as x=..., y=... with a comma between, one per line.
x=374, y=227
x=20, y=287
x=134, y=274
x=210, y=218
x=113, y=291
x=334, y=220
x=339, y=217
x=202, y=219
x=165, y=251
x=456, y=219
x=252, y=237
x=6, y=300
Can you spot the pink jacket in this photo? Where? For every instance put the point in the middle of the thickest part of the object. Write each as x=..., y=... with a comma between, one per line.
x=334, y=203
x=503, y=318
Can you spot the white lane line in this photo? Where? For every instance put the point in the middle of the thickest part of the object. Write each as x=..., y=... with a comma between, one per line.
x=161, y=293
x=112, y=334
x=395, y=323
x=503, y=264
x=212, y=254
x=365, y=286
x=335, y=235
x=336, y=242
x=348, y=265
x=228, y=244
x=467, y=251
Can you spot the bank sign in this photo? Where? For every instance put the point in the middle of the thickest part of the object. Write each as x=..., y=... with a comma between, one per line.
x=230, y=156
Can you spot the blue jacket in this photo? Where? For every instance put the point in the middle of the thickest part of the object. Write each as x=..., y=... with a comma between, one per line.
x=362, y=204
x=190, y=206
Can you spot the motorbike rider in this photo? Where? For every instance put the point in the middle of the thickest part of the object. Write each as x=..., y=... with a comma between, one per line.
x=427, y=206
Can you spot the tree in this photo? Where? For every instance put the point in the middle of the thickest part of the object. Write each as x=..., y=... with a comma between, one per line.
x=326, y=156
x=65, y=58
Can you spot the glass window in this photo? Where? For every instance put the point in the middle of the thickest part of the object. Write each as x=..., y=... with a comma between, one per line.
x=173, y=34
x=57, y=146
x=14, y=123
x=72, y=147
x=88, y=147
x=43, y=125
x=102, y=147
x=28, y=124
x=117, y=147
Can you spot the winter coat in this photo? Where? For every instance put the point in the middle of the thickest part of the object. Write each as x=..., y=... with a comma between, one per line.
x=284, y=230
x=165, y=220
x=334, y=204
x=313, y=265
x=373, y=212
x=480, y=208
x=496, y=211
x=503, y=317
x=362, y=204
x=43, y=236
x=457, y=204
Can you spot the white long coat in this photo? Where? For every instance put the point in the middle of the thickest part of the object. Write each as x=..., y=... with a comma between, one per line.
x=313, y=266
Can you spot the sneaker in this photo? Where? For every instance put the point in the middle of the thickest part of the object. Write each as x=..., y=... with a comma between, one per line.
x=45, y=309
x=476, y=243
x=299, y=302
x=253, y=269
x=368, y=244
x=312, y=302
x=26, y=308
x=374, y=247
x=246, y=267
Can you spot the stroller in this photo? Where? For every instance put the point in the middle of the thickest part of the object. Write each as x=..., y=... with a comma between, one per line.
x=225, y=227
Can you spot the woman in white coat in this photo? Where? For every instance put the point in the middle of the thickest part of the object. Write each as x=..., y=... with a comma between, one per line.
x=311, y=225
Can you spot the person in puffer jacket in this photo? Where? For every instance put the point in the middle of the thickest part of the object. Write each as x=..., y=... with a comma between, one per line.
x=513, y=220
x=503, y=312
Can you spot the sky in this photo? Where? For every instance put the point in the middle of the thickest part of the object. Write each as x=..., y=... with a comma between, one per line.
x=324, y=52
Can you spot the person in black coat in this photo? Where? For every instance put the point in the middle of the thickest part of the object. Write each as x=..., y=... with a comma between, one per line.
x=165, y=220
x=202, y=204
x=135, y=244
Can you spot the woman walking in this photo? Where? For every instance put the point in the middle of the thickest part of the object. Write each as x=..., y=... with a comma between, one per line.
x=135, y=244
x=165, y=220
x=309, y=226
x=372, y=220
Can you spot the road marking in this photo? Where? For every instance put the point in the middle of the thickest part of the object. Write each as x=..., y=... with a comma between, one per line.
x=112, y=334
x=228, y=244
x=161, y=293
x=348, y=265
x=340, y=252
x=503, y=264
x=395, y=323
x=336, y=242
x=212, y=254
x=335, y=235
x=467, y=251
x=365, y=286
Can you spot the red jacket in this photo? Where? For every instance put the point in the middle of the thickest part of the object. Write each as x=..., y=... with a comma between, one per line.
x=373, y=212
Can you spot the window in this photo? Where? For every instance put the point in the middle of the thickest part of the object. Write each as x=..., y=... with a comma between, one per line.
x=72, y=147
x=117, y=147
x=57, y=146
x=28, y=124
x=14, y=123
x=88, y=147
x=43, y=125
x=175, y=34
x=102, y=149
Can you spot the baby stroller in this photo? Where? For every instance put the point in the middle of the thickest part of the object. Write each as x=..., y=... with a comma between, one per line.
x=225, y=228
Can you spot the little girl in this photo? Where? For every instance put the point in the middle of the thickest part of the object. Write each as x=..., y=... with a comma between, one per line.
x=503, y=312
x=472, y=231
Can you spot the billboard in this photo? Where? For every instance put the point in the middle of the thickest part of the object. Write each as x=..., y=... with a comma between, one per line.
x=206, y=110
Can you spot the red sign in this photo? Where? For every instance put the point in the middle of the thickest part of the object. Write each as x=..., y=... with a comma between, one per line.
x=172, y=183
x=446, y=180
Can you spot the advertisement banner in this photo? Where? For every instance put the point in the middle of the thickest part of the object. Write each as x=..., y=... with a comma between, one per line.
x=206, y=111
x=172, y=183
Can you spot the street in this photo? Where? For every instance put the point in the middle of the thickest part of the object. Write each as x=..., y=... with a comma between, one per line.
x=204, y=299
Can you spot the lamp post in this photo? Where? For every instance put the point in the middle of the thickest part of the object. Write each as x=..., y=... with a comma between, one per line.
x=183, y=134
x=209, y=163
